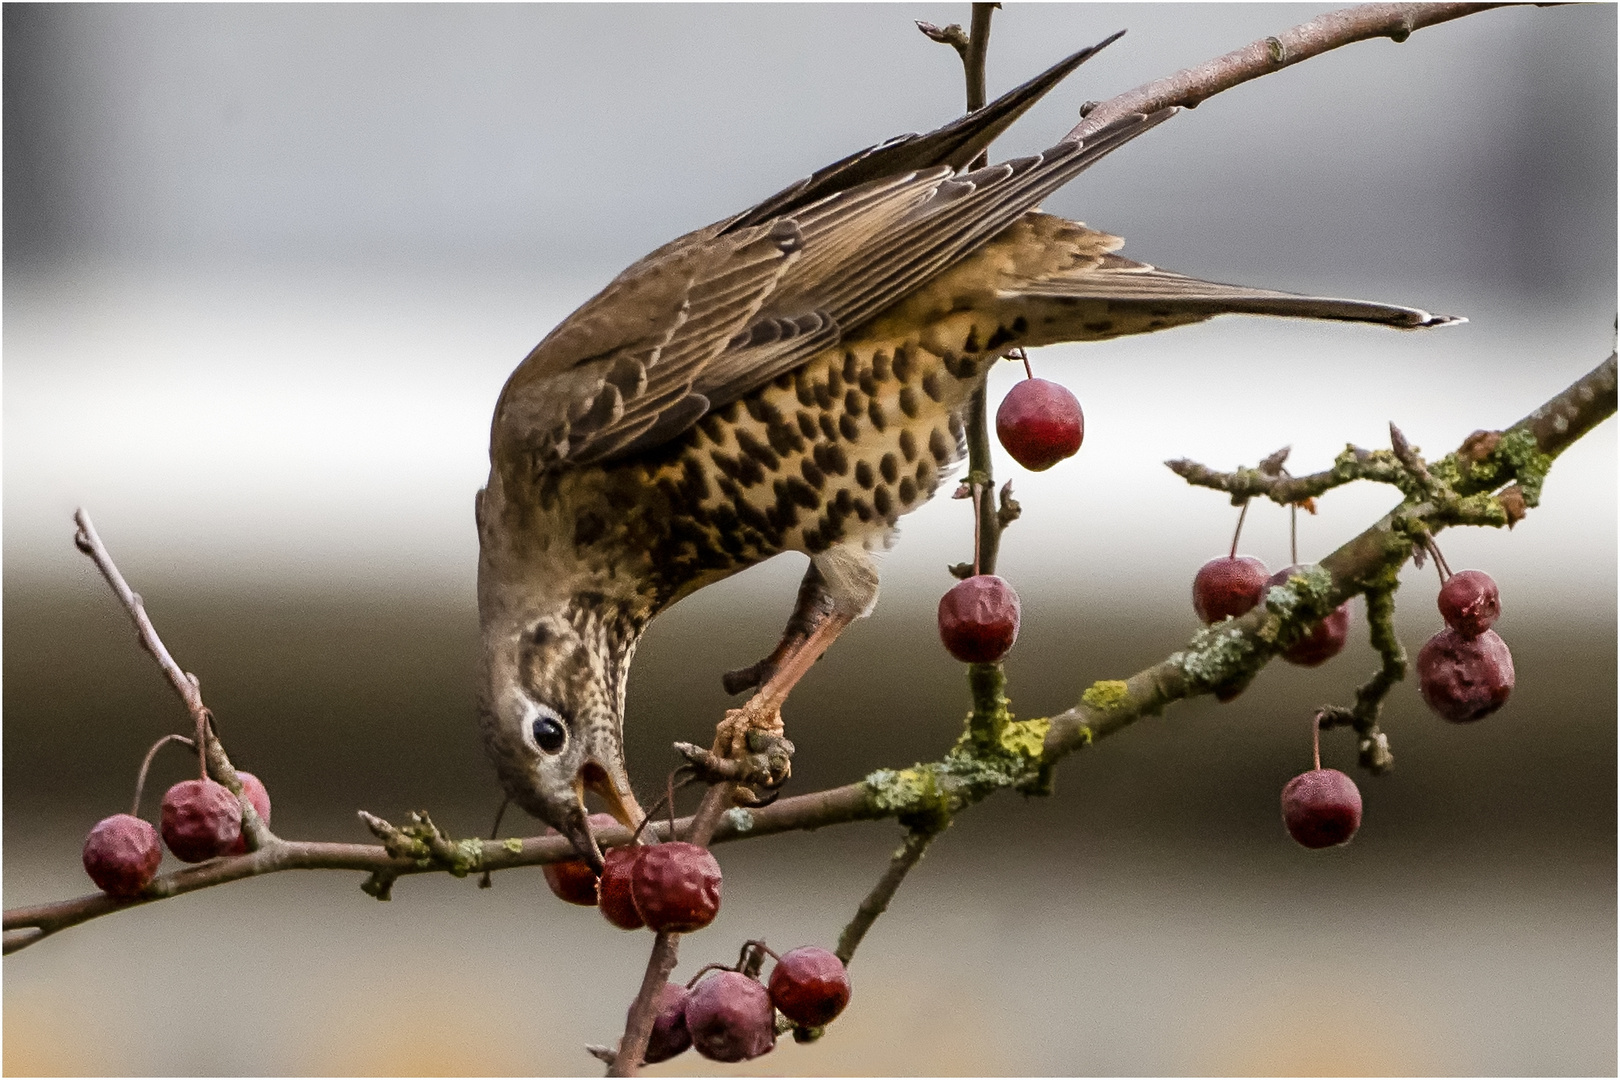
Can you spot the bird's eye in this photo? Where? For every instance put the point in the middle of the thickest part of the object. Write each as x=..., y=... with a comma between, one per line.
x=549, y=735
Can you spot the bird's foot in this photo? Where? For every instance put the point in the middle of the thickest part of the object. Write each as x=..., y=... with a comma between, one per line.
x=731, y=734
x=764, y=768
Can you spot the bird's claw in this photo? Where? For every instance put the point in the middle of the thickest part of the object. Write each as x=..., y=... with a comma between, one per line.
x=766, y=765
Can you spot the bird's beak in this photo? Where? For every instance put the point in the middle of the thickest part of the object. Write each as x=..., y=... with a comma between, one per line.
x=610, y=783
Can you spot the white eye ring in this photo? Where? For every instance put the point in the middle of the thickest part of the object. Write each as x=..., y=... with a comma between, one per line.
x=544, y=728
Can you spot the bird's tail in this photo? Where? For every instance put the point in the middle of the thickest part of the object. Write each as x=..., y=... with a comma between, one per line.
x=1112, y=296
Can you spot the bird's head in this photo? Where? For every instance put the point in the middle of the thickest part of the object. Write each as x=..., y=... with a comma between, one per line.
x=551, y=709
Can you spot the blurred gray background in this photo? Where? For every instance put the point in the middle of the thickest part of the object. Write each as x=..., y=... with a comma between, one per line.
x=266, y=269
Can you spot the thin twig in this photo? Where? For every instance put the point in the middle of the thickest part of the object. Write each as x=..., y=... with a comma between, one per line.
x=1193, y=85
x=876, y=902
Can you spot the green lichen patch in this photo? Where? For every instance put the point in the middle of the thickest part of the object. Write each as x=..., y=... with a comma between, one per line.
x=1217, y=656
x=1026, y=737
x=514, y=845
x=1106, y=695
x=1519, y=449
x=740, y=818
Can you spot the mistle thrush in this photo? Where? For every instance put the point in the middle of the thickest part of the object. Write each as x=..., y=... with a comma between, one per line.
x=789, y=379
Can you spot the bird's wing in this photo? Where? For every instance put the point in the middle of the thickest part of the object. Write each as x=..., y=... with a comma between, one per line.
x=710, y=317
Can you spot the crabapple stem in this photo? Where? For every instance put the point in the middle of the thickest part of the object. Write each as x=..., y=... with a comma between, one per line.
x=1029, y=372
x=978, y=529
x=1237, y=532
x=146, y=763
x=1316, y=740
x=1293, y=534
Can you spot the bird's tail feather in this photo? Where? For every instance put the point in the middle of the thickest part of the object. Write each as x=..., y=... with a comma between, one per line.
x=1123, y=297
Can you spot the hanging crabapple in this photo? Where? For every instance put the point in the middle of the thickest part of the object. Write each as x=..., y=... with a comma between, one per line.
x=201, y=819
x=978, y=619
x=1040, y=423
x=669, y=1035
x=809, y=986
x=573, y=880
x=617, y=887
x=1469, y=602
x=1323, y=641
x=1321, y=808
x=1228, y=586
x=122, y=854
x=256, y=793
x=676, y=887
x=729, y=1017
x=1465, y=678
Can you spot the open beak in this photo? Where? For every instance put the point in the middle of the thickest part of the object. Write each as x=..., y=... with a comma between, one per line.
x=612, y=786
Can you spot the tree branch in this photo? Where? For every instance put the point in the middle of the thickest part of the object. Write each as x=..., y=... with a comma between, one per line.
x=1191, y=86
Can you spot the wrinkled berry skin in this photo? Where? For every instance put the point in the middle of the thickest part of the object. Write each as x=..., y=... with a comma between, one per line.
x=1323, y=641
x=676, y=887
x=669, y=1034
x=201, y=819
x=121, y=855
x=978, y=619
x=1469, y=602
x=617, y=887
x=1462, y=678
x=574, y=880
x=255, y=790
x=1228, y=587
x=1321, y=808
x=729, y=1018
x=1040, y=423
x=809, y=986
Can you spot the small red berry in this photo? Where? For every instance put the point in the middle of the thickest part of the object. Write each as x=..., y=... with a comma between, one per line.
x=1323, y=641
x=1469, y=602
x=809, y=986
x=676, y=887
x=574, y=880
x=121, y=855
x=1321, y=808
x=254, y=789
x=617, y=888
x=1040, y=423
x=978, y=619
x=729, y=1017
x=1465, y=678
x=1228, y=586
x=201, y=819
x=669, y=1034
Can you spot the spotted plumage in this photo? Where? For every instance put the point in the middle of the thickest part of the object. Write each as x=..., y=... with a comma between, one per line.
x=790, y=379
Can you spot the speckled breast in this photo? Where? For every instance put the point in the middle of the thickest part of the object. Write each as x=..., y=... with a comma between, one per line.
x=833, y=452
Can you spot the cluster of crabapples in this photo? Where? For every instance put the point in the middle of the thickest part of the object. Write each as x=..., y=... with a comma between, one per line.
x=200, y=820
x=725, y=1014
x=1465, y=672
x=1039, y=424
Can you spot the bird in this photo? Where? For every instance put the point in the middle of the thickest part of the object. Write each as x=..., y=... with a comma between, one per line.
x=791, y=378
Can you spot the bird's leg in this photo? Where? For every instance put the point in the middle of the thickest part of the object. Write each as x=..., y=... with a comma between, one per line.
x=814, y=605
x=849, y=584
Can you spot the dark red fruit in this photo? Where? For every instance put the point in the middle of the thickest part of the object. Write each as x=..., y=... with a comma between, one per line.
x=1465, y=678
x=254, y=789
x=669, y=1034
x=201, y=819
x=1040, y=423
x=676, y=887
x=574, y=880
x=729, y=1017
x=1323, y=641
x=809, y=986
x=1228, y=587
x=121, y=855
x=978, y=619
x=1321, y=808
x=1470, y=602
x=618, y=874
